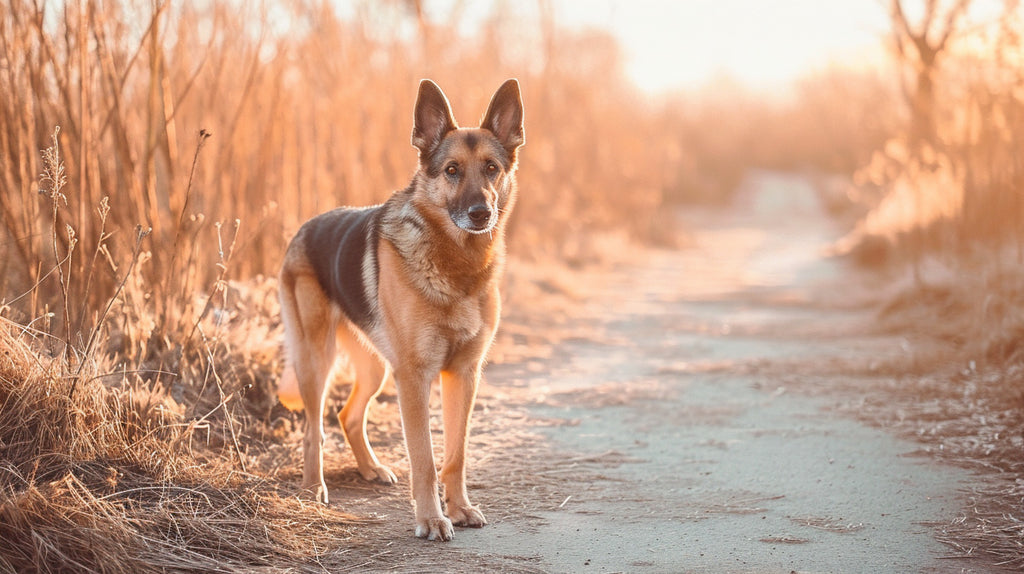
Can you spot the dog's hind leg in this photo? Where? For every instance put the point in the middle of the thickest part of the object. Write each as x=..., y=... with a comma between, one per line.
x=309, y=334
x=371, y=373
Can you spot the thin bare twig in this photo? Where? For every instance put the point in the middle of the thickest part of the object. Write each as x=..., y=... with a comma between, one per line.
x=179, y=231
x=140, y=234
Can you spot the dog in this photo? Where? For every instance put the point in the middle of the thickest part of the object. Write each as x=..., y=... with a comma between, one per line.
x=408, y=290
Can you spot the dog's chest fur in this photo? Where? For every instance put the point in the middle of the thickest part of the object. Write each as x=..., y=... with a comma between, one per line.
x=445, y=270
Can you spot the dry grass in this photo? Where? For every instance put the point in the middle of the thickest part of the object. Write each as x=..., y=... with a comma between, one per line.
x=991, y=525
x=102, y=473
x=973, y=307
x=152, y=527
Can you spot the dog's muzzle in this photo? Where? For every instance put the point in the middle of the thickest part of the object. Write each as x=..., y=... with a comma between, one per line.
x=478, y=218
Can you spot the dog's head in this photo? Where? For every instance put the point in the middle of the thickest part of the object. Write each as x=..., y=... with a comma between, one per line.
x=469, y=172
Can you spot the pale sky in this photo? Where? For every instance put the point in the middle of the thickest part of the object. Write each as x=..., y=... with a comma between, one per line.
x=686, y=44
x=689, y=44
x=758, y=43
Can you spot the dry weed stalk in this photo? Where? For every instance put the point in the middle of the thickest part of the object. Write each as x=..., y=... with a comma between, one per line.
x=53, y=174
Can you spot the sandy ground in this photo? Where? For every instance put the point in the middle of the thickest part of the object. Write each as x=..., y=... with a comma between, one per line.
x=690, y=423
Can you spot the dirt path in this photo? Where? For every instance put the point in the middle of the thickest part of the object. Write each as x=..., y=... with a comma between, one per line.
x=694, y=427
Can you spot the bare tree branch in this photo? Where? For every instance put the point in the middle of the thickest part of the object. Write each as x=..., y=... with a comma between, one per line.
x=952, y=17
x=899, y=19
x=930, y=8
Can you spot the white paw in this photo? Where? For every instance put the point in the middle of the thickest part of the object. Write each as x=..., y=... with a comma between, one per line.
x=435, y=529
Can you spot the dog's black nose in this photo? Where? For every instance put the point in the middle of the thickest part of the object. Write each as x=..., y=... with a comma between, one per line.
x=479, y=214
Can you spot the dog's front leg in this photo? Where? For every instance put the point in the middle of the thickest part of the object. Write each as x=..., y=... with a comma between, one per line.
x=458, y=393
x=414, y=402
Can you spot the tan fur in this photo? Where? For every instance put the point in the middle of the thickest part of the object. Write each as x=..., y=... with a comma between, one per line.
x=431, y=283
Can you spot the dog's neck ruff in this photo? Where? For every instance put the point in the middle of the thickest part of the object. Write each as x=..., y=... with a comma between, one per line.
x=444, y=261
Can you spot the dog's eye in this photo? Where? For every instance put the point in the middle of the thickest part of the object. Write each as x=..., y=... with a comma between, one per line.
x=492, y=168
x=452, y=170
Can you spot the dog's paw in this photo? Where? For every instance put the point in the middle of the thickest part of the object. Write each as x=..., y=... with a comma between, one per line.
x=381, y=474
x=314, y=492
x=466, y=516
x=435, y=529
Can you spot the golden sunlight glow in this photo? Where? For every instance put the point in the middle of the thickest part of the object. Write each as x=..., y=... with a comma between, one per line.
x=672, y=45
x=690, y=44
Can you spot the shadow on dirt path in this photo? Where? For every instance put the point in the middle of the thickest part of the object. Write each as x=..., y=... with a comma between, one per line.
x=687, y=450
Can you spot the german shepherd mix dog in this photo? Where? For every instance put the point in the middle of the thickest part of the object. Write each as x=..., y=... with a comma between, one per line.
x=408, y=288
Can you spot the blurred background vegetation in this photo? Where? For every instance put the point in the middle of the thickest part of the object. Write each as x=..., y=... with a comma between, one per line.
x=157, y=156
x=194, y=138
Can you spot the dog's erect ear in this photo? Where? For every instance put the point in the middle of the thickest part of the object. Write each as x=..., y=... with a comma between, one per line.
x=432, y=119
x=504, y=116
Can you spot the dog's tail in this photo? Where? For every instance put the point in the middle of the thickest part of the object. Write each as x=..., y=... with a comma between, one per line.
x=288, y=385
